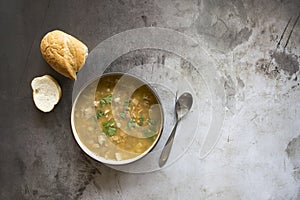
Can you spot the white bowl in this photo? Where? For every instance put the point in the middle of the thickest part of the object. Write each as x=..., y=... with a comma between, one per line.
x=100, y=158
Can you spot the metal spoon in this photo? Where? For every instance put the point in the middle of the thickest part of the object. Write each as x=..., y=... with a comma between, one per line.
x=182, y=107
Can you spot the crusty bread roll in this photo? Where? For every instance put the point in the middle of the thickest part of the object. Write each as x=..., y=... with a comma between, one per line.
x=64, y=53
x=46, y=92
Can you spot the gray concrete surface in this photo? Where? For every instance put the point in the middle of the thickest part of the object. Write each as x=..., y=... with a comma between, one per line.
x=257, y=47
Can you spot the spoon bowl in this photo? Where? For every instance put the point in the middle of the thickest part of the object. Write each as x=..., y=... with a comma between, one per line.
x=182, y=107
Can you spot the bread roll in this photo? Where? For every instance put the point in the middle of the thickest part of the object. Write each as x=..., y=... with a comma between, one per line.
x=46, y=92
x=64, y=53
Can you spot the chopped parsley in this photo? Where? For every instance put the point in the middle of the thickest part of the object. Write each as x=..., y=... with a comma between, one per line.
x=122, y=115
x=131, y=123
x=102, y=102
x=106, y=100
x=111, y=131
x=140, y=123
x=109, y=128
x=127, y=101
x=127, y=104
x=99, y=114
x=108, y=124
x=141, y=120
x=149, y=134
x=152, y=121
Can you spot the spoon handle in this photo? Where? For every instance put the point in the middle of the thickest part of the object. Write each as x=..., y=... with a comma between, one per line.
x=167, y=148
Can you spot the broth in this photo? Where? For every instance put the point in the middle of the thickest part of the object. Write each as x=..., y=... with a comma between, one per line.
x=118, y=117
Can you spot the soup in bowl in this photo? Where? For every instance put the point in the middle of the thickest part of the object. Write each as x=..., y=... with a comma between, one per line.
x=117, y=118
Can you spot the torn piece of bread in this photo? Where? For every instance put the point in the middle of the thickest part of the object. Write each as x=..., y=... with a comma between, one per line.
x=64, y=53
x=46, y=92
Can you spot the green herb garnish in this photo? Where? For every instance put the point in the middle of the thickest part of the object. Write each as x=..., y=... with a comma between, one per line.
x=149, y=134
x=109, y=128
x=127, y=104
x=111, y=131
x=102, y=102
x=122, y=115
x=99, y=114
x=95, y=118
x=108, y=124
x=140, y=123
x=127, y=101
x=108, y=99
x=131, y=123
x=141, y=120
x=127, y=108
x=152, y=121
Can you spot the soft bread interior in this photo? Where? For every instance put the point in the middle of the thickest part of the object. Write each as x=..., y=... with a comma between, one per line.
x=46, y=92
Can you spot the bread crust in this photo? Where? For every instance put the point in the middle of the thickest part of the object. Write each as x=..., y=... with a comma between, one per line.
x=64, y=53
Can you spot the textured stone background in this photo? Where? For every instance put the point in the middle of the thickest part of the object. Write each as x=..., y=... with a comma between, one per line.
x=257, y=46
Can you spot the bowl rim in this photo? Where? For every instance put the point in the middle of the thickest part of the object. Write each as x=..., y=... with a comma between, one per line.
x=101, y=159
